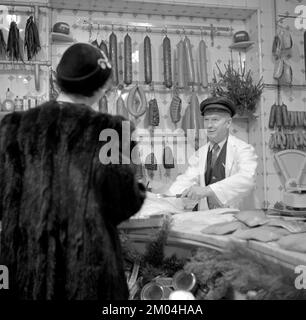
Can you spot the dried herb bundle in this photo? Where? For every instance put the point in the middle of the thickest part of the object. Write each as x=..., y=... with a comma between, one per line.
x=237, y=85
x=2, y=46
x=31, y=38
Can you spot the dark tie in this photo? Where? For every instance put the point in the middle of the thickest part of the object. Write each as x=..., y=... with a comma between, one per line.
x=214, y=154
x=211, y=201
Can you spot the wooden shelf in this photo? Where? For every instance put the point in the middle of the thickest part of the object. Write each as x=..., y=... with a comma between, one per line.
x=62, y=38
x=241, y=45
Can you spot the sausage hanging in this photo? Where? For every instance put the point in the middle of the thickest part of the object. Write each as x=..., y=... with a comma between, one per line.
x=103, y=47
x=167, y=62
x=181, y=61
x=128, y=74
x=203, y=64
x=189, y=60
x=147, y=60
x=103, y=104
x=113, y=58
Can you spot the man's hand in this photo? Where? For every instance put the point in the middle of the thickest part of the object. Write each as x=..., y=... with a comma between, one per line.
x=197, y=193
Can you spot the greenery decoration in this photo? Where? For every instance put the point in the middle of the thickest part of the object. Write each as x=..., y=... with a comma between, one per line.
x=239, y=86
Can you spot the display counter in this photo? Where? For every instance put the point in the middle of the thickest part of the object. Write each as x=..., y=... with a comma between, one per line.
x=185, y=234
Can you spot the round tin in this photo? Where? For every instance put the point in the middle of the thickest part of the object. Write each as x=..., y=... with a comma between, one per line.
x=152, y=291
x=183, y=280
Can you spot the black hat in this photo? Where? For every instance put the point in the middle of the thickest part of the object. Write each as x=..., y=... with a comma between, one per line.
x=218, y=103
x=83, y=69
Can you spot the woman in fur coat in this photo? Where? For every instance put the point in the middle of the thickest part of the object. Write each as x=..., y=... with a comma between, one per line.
x=59, y=203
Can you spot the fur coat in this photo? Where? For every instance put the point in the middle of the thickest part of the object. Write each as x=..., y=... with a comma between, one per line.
x=60, y=205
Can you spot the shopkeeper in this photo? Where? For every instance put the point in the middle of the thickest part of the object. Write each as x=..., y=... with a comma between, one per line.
x=222, y=172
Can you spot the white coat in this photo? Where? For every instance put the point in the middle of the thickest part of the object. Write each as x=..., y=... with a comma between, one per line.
x=237, y=189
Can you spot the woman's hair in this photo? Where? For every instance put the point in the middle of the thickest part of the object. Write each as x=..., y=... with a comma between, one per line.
x=83, y=69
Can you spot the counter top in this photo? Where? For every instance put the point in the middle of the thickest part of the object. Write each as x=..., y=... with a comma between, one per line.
x=186, y=230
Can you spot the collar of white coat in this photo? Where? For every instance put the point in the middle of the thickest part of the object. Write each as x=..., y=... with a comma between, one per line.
x=230, y=151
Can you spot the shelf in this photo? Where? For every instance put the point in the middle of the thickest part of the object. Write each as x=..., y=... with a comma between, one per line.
x=163, y=8
x=26, y=63
x=241, y=45
x=62, y=38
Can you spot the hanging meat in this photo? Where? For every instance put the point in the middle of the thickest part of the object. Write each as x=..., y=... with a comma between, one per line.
x=13, y=48
x=31, y=38
x=113, y=58
x=305, y=52
x=192, y=118
x=151, y=164
x=2, y=46
x=175, y=109
x=181, y=65
x=203, y=64
x=136, y=106
x=167, y=62
x=168, y=160
x=153, y=113
x=103, y=47
x=189, y=60
x=128, y=74
x=147, y=60
x=103, y=105
x=121, y=109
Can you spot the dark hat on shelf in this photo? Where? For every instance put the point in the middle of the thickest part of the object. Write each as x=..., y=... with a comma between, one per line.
x=83, y=69
x=241, y=36
x=218, y=104
x=61, y=27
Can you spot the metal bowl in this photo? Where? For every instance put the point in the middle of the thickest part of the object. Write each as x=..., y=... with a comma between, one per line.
x=152, y=291
x=183, y=280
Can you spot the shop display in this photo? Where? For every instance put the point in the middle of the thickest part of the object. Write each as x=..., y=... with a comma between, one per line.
x=189, y=62
x=153, y=113
x=224, y=228
x=14, y=50
x=238, y=85
x=252, y=218
x=294, y=242
x=175, y=109
x=202, y=65
x=2, y=46
x=305, y=51
x=292, y=164
x=103, y=104
x=167, y=62
x=168, y=160
x=103, y=47
x=128, y=72
x=151, y=163
x=31, y=38
x=61, y=27
x=120, y=108
x=147, y=60
x=262, y=234
x=181, y=65
x=291, y=226
x=113, y=57
x=192, y=117
x=136, y=102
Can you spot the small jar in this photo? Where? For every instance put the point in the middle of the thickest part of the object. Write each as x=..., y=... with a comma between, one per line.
x=18, y=104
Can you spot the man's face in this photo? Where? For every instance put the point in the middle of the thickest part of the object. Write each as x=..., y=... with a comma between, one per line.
x=217, y=124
